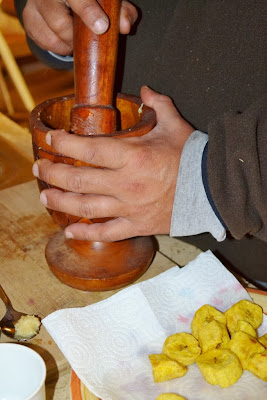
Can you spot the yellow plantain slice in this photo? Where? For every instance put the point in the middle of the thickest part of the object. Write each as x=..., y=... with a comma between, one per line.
x=182, y=347
x=220, y=367
x=245, y=326
x=214, y=335
x=245, y=346
x=164, y=368
x=263, y=340
x=169, y=396
x=244, y=310
x=258, y=365
x=203, y=316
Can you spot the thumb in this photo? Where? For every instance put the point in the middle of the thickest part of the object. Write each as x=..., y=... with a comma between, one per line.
x=163, y=105
x=166, y=112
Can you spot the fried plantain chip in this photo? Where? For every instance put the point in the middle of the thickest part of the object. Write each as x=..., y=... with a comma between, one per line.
x=169, y=396
x=258, y=365
x=245, y=346
x=244, y=310
x=182, y=347
x=245, y=326
x=214, y=335
x=164, y=368
x=220, y=367
x=263, y=340
x=203, y=316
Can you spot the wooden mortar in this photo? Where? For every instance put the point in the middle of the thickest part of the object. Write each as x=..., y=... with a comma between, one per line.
x=93, y=110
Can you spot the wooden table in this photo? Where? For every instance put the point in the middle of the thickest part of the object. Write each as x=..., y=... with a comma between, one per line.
x=25, y=227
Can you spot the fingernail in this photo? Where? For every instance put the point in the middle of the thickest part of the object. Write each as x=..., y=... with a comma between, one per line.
x=43, y=198
x=48, y=138
x=69, y=235
x=35, y=170
x=101, y=25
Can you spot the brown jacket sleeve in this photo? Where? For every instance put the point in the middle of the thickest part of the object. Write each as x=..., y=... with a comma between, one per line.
x=237, y=169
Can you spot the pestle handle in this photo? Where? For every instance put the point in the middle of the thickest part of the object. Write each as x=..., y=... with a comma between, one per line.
x=95, y=58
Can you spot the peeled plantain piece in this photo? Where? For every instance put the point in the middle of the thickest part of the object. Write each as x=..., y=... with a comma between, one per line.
x=245, y=346
x=214, y=335
x=182, y=347
x=203, y=316
x=245, y=326
x=244, y=310
x=220, y=367
x=164, y=368
x=169, y=396
x=258, y=365
x=263, y=340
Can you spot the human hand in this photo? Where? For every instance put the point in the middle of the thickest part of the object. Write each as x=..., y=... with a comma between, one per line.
x=49, y=23
x=136, y=184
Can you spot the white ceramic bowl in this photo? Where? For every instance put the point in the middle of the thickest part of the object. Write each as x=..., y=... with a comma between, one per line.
x=22, y=373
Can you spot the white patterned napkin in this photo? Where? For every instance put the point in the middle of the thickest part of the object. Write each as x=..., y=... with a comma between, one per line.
x=109, y=350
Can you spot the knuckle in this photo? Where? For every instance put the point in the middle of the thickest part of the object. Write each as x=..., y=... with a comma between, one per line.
x=45, y=171
x=29, y=27
x=29, y=12
x=87, y=7
x=55, y=43
x=56, y=202
x=58, y=143
x=26, y=15
x=89, y=156
x=106, y=236
x=51, y=42
x=86, y=210
x=165, y=99
x=75, y=182
x=130, y=10
x=58, y=24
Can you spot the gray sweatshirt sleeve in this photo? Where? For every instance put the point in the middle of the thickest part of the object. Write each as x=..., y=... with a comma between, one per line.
x=192, y=213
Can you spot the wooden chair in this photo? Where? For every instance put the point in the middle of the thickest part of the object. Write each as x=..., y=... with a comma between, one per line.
x=10, y=28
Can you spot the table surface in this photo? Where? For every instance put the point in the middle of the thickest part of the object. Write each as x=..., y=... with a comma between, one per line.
x=25, y=227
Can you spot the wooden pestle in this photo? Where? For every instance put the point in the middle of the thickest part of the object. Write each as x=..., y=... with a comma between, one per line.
x=95, y=58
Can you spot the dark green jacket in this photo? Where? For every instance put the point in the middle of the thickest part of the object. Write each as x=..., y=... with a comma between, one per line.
x=209, y=56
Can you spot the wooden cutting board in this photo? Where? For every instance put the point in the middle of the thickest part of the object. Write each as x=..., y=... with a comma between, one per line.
x=25, y=227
